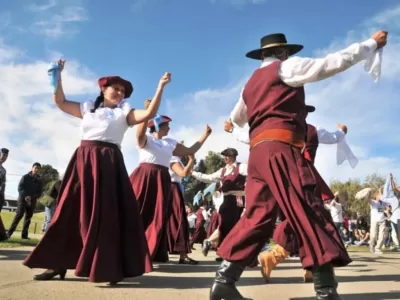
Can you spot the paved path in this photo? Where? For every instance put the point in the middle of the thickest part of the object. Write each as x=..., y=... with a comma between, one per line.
x=369, y=277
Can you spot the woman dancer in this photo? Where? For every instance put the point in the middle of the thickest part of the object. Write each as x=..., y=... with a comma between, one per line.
x=151, y=181
x=96, y=228
x=178, y=227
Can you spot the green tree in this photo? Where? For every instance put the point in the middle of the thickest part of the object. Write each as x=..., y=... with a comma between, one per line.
x=47, y=175
x=348, y=189
x=212, y=163
x=374, y=181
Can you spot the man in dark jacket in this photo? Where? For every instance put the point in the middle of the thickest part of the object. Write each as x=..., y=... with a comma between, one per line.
x=29, y=189
x=3, y=158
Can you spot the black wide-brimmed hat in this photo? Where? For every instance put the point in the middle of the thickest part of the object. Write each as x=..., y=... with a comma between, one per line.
x=274, y=41
x=230, y=152
x=310, y=108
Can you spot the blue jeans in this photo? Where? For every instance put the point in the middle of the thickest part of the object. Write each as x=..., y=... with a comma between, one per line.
x=49, y=213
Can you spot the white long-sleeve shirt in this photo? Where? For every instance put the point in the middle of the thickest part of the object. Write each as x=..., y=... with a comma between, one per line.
x=217, y=176
x=297, y=71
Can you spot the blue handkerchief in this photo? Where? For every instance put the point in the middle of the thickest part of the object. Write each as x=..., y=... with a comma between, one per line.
x=197, y=198
x=54, y=74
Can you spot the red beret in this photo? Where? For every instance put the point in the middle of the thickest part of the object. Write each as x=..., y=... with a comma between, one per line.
x=109, y=80
x=164, y=118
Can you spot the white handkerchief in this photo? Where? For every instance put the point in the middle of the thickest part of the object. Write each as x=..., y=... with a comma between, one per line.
x=363, y=193
x=344, y=152
x=373, y=64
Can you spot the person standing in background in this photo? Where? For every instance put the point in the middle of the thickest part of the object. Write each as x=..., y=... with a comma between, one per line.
x=50, y=206
x=3, y=158
x=3, y=179
x=29, y=189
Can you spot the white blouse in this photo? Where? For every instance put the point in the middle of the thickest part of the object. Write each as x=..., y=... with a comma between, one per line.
x=105, y=124
x=192, y=220
x=157, y=151
x=175, y=177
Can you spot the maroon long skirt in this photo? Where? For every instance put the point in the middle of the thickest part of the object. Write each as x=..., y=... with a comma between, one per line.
x=152, y=187
x=214, y=223
x=3, y=234
x=96, y=228
x=178, y=225
x=280, y=177
x=199, y=234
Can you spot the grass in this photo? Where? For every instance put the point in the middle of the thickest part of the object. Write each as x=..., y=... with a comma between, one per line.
x=17, y=242
x=35, y=228
x=36, y=222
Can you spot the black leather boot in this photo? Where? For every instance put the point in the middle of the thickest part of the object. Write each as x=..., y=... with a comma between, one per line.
x=325, y=284
x=224, y=285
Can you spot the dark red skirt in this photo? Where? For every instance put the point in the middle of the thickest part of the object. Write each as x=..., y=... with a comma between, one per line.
x=152, y=187
x=178, y=225
x=280, y=177
x=96, y=228
x=200, y=233
x=214, y=223
x=3, y=234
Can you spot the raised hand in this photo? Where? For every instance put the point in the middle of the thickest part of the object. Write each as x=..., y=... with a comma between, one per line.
x=61, y=64
x=147, y=103
x=228, y=126
x=380, y=37
x=342, y=127
x=165, y=79
x=208, y=130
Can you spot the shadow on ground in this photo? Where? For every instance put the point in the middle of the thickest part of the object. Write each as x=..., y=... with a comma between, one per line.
x=392, y=295
x=10, y=254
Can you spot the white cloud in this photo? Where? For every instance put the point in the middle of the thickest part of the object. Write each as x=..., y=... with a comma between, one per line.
x=370, y=110
x=61, y=23
x=239, y=3
x=31, y=127
x=42, y=7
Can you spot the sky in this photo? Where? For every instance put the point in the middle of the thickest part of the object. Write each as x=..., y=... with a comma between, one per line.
x=203, y=44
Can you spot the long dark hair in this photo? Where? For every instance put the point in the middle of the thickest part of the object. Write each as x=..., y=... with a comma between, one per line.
x=99, y=102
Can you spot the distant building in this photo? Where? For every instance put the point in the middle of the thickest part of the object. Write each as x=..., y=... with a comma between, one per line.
x=10, y=203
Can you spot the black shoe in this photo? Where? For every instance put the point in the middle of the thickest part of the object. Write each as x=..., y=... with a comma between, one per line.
x=206, y=247
x=224, y=285
x=325, y=284
x=218, y=259
x=187, y=261
x=51, y=275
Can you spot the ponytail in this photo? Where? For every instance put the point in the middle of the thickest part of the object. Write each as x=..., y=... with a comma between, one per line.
x=98, y=103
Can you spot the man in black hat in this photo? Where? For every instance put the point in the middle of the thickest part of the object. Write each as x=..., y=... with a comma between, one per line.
x=233, y=179
x=273, y=104
x=29, y=189
x=3, y=173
